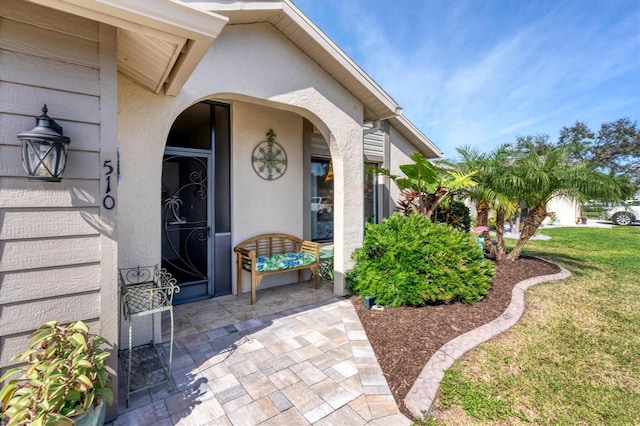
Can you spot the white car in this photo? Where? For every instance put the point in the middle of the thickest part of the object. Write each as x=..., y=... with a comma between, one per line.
x=624, y=215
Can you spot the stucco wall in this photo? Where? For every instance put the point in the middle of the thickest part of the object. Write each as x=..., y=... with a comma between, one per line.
x=254, y=64
x=400, y=151
x=566, y=210
x=262, y=206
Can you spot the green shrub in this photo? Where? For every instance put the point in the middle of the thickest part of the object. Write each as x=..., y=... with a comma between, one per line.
x=411, y=261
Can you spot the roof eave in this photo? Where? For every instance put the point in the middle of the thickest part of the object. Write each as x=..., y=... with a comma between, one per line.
x=165, y=19
x=416, y=137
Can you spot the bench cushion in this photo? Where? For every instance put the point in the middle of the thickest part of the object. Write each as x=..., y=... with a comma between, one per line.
x=279, y=262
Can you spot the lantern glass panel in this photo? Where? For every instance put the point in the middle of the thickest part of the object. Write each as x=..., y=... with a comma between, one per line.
x=44, y=159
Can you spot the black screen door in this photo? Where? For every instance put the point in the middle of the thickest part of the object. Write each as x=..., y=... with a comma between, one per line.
x=186, y=224
x=196, y=238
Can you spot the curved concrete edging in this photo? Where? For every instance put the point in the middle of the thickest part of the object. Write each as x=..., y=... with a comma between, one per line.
x=424, y=390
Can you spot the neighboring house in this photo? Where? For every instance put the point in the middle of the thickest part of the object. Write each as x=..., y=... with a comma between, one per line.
x=566, y=209
x=175, y=96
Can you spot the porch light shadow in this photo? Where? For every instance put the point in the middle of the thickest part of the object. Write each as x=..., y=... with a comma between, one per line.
x=90, y=212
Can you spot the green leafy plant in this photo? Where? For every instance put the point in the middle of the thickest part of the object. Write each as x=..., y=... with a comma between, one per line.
x=408, y=260
x=425, y=186
x=455, y=214
x=65, y=376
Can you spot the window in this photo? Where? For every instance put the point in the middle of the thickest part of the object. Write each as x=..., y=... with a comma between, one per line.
x=371, y=192
x=321, y=200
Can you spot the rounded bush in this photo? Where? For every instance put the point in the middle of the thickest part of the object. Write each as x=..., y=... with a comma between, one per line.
x=408, y=260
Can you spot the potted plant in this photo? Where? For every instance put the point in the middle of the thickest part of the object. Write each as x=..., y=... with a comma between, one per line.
x=64, y=381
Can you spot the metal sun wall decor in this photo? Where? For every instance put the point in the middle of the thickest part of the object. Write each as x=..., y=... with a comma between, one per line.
x=269, y=159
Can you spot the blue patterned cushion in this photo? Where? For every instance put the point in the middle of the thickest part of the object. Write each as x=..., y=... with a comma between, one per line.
x=278, y=262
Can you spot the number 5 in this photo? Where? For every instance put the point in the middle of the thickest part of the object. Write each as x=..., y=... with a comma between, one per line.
x=109, y=166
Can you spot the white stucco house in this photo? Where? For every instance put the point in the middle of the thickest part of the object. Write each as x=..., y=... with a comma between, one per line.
x=175, y=95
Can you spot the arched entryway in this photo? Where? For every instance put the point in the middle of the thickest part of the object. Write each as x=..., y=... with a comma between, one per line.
x=195, y=202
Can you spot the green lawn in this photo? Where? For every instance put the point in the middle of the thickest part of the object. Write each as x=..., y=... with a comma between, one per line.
x=574, y=357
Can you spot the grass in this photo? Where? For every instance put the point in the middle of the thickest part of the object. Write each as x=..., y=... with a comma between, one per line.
x=574, y=357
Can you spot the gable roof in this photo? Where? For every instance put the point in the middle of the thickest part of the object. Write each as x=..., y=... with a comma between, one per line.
x=302, y=32
x=160, y=42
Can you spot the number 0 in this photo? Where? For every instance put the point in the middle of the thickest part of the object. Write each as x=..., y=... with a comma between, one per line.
x=108, y=202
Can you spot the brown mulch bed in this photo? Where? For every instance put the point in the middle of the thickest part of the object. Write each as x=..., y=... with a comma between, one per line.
x=405, y=338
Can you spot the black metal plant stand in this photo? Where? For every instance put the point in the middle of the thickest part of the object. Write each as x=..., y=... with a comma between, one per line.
x=146, y=290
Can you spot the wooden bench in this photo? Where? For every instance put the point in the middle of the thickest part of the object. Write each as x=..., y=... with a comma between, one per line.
x=269, y=254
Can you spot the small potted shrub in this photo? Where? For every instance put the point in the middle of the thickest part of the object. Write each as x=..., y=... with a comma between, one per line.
x=64, y=381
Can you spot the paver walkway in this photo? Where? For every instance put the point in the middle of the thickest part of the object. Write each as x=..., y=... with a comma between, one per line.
x=307, y=365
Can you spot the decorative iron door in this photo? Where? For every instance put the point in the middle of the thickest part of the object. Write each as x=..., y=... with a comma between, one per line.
x=186, y=222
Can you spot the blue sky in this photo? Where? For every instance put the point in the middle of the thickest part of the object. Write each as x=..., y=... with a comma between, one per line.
x=482, y=72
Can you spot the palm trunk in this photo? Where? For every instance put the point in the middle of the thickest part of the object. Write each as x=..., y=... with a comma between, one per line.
x=437, y=197
x=482, y=212
x=529, y=227
x=500, y=217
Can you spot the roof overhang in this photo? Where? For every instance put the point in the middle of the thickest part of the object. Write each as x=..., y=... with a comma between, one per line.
x=301, y=31
x=160, y=42
x=407, y=129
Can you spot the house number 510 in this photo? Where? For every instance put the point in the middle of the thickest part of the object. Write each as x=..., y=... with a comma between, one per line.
x=108, y=202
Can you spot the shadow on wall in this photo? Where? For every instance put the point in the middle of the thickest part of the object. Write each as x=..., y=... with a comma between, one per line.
x=90, y=213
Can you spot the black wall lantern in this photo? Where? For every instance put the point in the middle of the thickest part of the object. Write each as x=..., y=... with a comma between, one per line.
x=44, y=149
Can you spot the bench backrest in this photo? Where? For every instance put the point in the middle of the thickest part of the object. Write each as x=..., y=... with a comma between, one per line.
x=269, y=244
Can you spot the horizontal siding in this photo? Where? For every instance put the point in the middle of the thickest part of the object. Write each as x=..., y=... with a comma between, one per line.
x=23, y=286
x=24, y=38
x=18, y=342
x=84, y=136
x=51, y=19
x=374, y=146
x=19, y=255
x=50, y=233
x=24, y=224
x=24, y=193
x=23, y=317
x=28, y=100
x=80, y=164
x=27, y=69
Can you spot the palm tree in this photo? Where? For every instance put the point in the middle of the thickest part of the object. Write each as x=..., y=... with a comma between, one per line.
x=536, y=176
x=490, y=171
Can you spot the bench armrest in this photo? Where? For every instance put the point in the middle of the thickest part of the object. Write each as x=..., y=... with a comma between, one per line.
x=311, y=248
x=245, y=253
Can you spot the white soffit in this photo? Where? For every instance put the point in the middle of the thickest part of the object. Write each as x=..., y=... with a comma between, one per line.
x=302, y=32
x=160, y=42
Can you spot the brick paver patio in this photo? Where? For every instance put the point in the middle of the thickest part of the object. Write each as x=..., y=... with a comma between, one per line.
x=306, y=365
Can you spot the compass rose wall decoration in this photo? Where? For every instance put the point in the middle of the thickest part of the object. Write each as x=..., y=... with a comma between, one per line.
x=269, y=159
